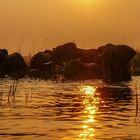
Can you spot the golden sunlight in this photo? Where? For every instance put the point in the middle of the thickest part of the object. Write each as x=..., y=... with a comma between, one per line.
x=90, y=102
x=88, y=90
x=87, y=1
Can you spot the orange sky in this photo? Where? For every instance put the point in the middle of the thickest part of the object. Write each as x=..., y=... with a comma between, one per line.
x=48, y=23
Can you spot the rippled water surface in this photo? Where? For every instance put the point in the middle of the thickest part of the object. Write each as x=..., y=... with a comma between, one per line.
x=49, y=110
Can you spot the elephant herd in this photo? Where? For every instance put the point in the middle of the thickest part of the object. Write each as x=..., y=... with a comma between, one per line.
x=110, y=62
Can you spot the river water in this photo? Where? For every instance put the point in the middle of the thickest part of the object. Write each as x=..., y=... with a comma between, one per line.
x=89, y=110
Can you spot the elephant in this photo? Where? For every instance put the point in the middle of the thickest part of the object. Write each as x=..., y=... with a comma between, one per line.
x=16, y=66
x=77, y=70
x=12, y=65
x=42, y=62
x=69, y=51
x=115, y=62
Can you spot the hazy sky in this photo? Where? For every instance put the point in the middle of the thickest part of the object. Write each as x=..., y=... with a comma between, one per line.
x=48, y=23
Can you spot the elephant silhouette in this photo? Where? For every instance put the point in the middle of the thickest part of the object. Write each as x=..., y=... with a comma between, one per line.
x=115, y=62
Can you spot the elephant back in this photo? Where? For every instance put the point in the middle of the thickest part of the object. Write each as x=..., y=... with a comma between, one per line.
x=15, y=57
x=15, y=65
x=64, y=53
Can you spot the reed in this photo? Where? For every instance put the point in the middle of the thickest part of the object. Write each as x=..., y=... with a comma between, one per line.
x=137, y=102
x=28, y=97
x=1, y=95
x=12, y=92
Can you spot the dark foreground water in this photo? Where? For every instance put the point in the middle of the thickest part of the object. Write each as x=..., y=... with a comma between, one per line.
x=90, y=110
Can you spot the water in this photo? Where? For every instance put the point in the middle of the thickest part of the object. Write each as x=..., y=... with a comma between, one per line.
x=49, y=110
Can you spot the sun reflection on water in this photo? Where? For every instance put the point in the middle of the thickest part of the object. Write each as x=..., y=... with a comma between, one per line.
x=90, y=102
x=88, y=90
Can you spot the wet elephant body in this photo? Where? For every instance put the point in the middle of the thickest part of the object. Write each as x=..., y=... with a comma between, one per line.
x=12, y=65
x=64, y=53
x=43, y=63
x=77, y=70
x=15, y=65
x=115, y=60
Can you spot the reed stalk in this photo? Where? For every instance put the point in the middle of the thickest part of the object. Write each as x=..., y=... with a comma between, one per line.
x=1, y=94
x=137, y=103
x=11, y=93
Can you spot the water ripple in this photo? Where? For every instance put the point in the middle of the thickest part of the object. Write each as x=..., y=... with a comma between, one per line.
x=69, y=111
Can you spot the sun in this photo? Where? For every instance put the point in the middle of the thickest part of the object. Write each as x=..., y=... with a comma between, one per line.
x=87, y=1
x=88, y=6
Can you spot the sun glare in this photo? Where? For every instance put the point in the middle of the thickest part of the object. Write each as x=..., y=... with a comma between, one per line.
x=88, y=90
x=90, y=102
x=88, y=2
